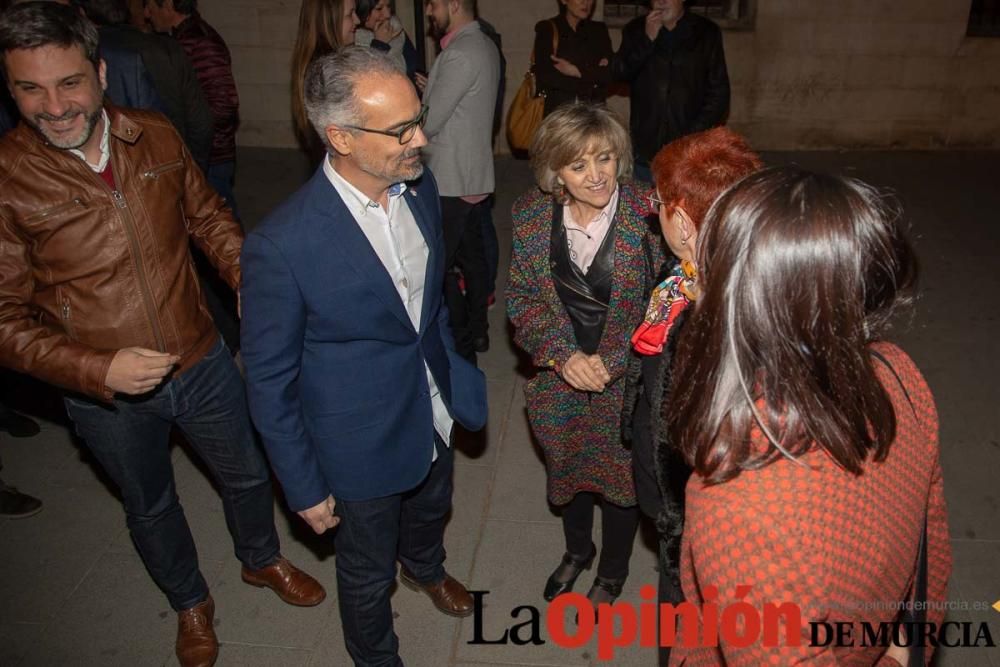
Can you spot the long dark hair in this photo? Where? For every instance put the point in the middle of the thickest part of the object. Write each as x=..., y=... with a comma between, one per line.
x=800, y=273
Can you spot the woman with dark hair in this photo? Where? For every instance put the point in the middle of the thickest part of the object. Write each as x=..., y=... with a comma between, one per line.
x=814, y=442
x=380, y=29
x=572, y=53
x=689, y=173
x=581, y=262
x=325, y=26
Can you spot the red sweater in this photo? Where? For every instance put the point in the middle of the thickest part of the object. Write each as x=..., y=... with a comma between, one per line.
x=842, y=547
x=209, y=55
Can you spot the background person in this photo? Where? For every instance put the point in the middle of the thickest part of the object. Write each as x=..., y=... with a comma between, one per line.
x=382, y=30
x=581, y=263
x=814, y=441
x=579, y=70
x=690, y=173
x=325, y=27
x=675, y=68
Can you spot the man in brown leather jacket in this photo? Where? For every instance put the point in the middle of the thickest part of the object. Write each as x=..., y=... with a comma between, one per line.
x=98, y=296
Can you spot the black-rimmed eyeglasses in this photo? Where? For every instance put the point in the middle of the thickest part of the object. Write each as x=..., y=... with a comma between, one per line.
x=404, y=134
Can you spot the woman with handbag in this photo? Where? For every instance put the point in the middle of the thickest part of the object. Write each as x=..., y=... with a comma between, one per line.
x=689, y=173
x=814, y=441
x=572, y=53
x=577, y=290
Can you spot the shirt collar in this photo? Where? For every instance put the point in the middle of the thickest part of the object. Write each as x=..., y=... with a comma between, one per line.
x=102, y=163
x=354, y=198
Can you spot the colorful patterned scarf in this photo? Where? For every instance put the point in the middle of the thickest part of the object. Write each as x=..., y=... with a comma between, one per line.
x=669, y=299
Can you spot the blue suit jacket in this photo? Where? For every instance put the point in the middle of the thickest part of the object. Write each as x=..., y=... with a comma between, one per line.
x=335, y=368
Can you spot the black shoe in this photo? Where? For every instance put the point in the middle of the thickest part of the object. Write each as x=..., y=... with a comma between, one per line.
x=562, y=580
x=605, y=591
x=17, y=505
x=19, y=426
x=481, y=343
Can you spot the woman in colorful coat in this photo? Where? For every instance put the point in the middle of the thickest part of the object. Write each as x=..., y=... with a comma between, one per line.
x=583, y=258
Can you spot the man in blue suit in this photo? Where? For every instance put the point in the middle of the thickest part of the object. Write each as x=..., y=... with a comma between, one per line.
x=353, y=378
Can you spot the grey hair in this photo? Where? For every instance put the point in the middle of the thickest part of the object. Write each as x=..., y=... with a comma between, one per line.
x=331, y=83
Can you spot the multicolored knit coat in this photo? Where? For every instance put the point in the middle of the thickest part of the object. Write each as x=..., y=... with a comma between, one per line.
x=579, y=431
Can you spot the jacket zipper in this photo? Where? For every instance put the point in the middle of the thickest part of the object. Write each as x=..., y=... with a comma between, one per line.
x=162, y=169
x=49, y=212
x=140, y=266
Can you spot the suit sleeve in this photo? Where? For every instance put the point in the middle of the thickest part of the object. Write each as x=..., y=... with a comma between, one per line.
x=211, y=224
x=198, y=115
x=30, y=346
x=715, y=108
x=272, y=334
x=633, y=54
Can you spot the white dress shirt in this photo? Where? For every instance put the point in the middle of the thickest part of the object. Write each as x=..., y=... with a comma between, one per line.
x=102, y=162
x=396, y=238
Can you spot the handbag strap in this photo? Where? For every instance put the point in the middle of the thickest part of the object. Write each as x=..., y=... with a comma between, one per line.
x=555, y=42
x=917, y=611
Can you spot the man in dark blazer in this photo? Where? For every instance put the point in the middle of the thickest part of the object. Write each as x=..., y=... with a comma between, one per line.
x=354, y=382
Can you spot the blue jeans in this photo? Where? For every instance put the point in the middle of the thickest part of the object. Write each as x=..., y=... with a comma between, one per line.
x=222, y=177
x=371, y=536
x=131, y=440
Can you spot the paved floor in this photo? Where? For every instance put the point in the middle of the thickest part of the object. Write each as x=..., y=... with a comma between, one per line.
x=73, y=591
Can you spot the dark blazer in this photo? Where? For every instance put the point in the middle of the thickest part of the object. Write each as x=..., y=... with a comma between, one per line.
x=174, y=78
x=678, y=82
x=129, y=84
x=585, y=47
x=335, y=369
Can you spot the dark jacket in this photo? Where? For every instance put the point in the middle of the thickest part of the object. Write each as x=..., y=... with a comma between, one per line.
x=129, y=84
x=209, y=54
x=678, y=82
x=86, y=270
x=585, y=47
x=175, y=80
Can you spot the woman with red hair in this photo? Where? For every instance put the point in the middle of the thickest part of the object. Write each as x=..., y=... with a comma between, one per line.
x=689, y=174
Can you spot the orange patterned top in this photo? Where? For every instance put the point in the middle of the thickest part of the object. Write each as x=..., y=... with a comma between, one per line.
x=842, y=547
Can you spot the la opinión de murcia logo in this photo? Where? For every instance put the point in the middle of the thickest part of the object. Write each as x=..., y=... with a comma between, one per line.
x=738, y=624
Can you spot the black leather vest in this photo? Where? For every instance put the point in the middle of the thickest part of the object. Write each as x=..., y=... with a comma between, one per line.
x=585, y=296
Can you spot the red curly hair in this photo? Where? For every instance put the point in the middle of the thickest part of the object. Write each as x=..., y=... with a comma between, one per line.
x=691, y=172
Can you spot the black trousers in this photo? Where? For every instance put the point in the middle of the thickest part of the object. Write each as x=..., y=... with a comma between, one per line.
x=465, y=251
x=618, y=527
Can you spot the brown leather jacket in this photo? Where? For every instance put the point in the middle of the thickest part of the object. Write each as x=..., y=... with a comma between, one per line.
x=86, y=270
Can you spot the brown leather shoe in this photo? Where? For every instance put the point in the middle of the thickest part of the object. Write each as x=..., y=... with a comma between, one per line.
x=290, y=583
x=448, y=595
x=197, y=645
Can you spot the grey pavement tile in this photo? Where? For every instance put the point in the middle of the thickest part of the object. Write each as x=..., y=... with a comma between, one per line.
x=975, y=572
x=331, y=650
x=16, y=639
x=520, y=494
x=971, y=490
x=245, y=655
x=117, y=616
x=513, y=562
x=249, y=615
x=468, y=508
x=519, y=446
x=52, y=551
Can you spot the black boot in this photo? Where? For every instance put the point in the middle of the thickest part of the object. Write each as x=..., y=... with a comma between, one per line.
x=564, y=576
x=17, y=505
x=17, y=425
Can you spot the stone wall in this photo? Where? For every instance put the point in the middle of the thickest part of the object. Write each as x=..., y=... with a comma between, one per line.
x=810, y=74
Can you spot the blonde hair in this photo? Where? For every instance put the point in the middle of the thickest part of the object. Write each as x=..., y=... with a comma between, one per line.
x=320, y=28
x=568, y=133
